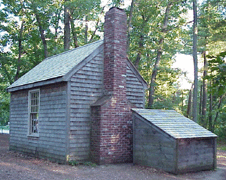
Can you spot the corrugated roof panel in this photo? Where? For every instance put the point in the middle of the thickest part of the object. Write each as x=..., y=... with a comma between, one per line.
x=57, y=65
x=174, y=124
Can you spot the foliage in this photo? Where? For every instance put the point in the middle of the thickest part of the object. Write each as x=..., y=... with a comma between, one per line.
x=73, y=163
x=86, y=163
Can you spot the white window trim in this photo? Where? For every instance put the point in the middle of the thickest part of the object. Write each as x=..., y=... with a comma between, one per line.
x=29, y=111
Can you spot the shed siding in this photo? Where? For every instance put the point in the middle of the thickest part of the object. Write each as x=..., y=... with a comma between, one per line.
x=152, y=147
x=134, y=89
x=52, y=123
x=195, y=154
x=86, y=88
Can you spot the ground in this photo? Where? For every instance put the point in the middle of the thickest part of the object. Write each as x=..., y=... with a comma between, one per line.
x=19, y=166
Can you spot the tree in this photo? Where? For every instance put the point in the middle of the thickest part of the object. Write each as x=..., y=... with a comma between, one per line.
x=217, y=89
x=66, y=26
x=195, y=59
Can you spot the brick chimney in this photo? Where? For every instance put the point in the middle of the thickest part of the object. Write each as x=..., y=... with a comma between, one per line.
x=111, y=121
x=115, y=52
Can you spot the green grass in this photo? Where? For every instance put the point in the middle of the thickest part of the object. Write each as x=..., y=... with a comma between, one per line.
x=222, y=147
x=76, y=163
x=4, y=127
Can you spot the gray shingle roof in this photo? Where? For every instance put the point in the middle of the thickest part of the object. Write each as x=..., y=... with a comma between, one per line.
x=56, y=66
x=174, y=124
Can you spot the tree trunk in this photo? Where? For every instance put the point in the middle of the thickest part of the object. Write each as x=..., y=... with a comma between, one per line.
x=96, y=26
x=20, y=52
x=195, y=59
x=56, y=30
x=182, y=101
x=218, y=107
x=210, y=109
x=204, y=98
x=129, y=24
x=42, y=31
x=159, y=53
x=153, y=77
x=86, y=31
x=141, y=45
x=74, y=35
x=200, y=104
x=66, y=27
x=189, y=103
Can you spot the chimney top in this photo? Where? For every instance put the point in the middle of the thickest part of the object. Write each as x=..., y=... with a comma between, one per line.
x=116, y=8
x=115, y=56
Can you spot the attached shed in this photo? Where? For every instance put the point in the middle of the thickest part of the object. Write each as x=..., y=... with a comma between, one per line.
x=165, y=139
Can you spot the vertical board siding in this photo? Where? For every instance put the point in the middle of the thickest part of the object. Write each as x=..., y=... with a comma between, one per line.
x=152, y=147
x=86, y=88
x=134, y=89
x=52, y=123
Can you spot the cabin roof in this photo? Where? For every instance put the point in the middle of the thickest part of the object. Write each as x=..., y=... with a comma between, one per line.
x=60, y=67
x=56, y=66
x=173, y=123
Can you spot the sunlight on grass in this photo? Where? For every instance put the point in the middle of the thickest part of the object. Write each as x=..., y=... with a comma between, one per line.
x=223, y=148
x=221, y=156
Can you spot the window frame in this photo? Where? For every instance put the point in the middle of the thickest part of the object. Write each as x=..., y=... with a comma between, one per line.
x=30, y=133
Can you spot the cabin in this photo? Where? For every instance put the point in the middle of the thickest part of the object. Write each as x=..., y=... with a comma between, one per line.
x=87, y=104
x=52, y=105
x=166, y=140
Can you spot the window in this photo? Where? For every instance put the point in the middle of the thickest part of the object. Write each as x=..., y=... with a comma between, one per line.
x=33, y=110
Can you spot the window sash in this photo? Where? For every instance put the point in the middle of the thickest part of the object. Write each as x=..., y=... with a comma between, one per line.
x=33, y=110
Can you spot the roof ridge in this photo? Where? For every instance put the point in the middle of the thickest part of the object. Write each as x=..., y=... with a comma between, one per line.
x=73, y=49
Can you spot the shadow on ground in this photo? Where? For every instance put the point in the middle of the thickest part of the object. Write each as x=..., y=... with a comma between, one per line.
x=19, y=166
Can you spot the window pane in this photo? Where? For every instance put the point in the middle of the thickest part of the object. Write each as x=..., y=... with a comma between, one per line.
x=34, y=111
x=34, y=122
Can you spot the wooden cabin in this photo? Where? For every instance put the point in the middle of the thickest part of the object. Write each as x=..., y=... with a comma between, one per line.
x=50, y=108
x=78, y=105
x=164, y=139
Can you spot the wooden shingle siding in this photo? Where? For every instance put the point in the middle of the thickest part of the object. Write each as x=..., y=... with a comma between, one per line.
x=51, y=142
x=86, y=88
x=134, y=89
x=18, y=119
x=152, y=147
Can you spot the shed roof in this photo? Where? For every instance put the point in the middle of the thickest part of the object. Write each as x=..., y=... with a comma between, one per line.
x=56, y=66
x=174, y=124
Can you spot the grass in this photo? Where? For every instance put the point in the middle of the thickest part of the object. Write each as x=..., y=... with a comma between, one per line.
x=76, y=163
x=221, y=145
x=4, y=127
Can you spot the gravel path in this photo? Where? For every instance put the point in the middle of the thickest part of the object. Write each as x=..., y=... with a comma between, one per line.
x=16, y=166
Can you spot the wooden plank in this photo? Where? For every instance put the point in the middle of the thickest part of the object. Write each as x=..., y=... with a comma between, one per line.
x=214, y=152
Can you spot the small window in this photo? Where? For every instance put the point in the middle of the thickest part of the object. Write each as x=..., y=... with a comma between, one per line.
x=33, y=109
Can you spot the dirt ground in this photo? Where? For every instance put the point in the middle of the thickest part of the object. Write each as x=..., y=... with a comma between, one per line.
x=21, y=167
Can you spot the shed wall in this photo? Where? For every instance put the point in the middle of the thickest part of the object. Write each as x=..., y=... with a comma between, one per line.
x=152, y=147
x=51, y=142
x=195, y=154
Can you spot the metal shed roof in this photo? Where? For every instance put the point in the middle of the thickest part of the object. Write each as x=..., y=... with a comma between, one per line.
x=57, y=65
x=174, y=124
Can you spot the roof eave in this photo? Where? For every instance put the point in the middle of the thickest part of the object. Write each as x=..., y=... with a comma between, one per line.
x=36, y=84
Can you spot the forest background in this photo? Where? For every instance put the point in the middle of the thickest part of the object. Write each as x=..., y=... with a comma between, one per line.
x=32, y=30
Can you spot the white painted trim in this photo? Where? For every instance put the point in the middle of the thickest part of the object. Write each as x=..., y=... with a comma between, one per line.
x=29, y=111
